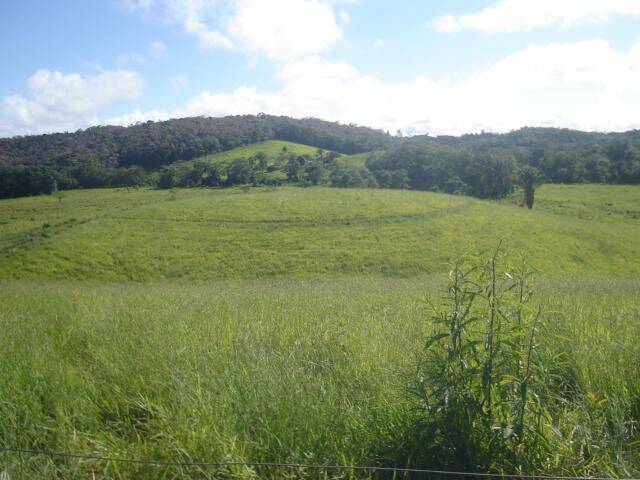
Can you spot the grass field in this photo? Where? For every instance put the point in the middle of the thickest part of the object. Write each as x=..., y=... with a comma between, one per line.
x=292, y=232
x=272, y=148
x=592, y=202
x=285, y=324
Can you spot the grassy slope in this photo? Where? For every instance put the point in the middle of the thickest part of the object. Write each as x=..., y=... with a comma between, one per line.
x=307, y=370
x=606, y=203
x=271, y=147
x=298, y=233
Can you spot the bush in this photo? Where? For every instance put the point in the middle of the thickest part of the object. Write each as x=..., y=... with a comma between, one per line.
x=479, y=384
x=353, y=176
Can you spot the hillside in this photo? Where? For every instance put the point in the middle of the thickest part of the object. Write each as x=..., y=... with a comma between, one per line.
x=153, y=144
x=288, y=232
x=195, y=152
x=271, y=148
x=287, y=324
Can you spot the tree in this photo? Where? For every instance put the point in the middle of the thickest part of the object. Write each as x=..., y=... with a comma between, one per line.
x=316, y=173
x=262, y=161
x=528, y=177
x=353, y=176
x=294, y=167
x=240, y=172
x=455, y=186
x=491, y=175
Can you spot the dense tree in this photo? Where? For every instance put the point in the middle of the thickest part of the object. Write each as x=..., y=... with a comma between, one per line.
x=241, y=172
x=154, y=144
x=353, y=176
x=167, y=154
x=316, y=172
x=25, y=180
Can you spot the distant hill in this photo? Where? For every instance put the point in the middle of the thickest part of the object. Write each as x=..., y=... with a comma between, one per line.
x=271, y=148
x=154, y=144
x=248, y=149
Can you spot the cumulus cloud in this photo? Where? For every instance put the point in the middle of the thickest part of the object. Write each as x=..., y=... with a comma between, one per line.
x=277, y=29
x=283, y=29
x=585, y=85
x=526, y=15
x=57, y=101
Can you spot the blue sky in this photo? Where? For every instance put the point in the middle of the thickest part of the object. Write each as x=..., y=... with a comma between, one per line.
x=418, y=66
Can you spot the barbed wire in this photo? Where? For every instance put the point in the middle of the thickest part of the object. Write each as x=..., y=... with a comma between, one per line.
x=368, y=468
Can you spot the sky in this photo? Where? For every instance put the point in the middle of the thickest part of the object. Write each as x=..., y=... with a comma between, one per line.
x=415, y=66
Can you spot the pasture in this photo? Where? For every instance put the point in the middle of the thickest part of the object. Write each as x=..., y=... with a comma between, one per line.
x=286, y=324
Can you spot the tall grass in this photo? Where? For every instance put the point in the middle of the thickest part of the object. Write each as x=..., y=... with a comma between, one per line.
x=325, y=352
x=300, y=371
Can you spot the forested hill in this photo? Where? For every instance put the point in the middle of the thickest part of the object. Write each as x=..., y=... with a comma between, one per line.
x=182, y=153
x=154, y=144
x=528, y=137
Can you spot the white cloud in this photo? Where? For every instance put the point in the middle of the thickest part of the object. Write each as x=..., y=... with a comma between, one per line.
x=57, y=101
x=139, y=116
x=195, y=17
x=277, y=29
x=283, y=29
x=585, y=85
x=526, y=15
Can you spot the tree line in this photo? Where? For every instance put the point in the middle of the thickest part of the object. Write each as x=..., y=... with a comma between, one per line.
x=167, y=154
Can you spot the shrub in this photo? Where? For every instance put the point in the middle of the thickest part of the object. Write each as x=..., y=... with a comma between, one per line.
x=479, y=380
x=346, y=176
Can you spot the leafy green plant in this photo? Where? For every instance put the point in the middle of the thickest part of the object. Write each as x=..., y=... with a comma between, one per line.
x=479, y=374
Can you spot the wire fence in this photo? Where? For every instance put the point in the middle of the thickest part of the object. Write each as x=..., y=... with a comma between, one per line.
x=299, y=466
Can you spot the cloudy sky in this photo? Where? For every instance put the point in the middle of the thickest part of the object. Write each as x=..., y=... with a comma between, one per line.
x=420, y=66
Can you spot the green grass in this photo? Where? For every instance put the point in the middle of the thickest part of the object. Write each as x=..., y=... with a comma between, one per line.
x=284, y=324
x=308, y=371
x=289, y=232
x=605, y=203
x=272, y=148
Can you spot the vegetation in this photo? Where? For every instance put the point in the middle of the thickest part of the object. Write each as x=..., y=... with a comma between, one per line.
x=317, y=325
x=244, y=149
x=291, y=232
x=283, y=370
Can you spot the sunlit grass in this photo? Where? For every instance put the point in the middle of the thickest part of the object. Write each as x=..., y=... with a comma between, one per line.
x=310, y=371
x=285, y=324
x=292, y=233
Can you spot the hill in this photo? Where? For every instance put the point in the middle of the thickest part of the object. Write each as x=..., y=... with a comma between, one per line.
x=289, y=232
x=154, y=144
x=271, y=148
x=158, y=154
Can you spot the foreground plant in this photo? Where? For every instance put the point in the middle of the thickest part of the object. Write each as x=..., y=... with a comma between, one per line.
x=479, y=382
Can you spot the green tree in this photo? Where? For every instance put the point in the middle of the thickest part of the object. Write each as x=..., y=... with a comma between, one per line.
x=240, y=172
x=529, y=177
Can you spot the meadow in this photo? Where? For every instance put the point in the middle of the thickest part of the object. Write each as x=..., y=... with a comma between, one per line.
x=289, y=232
x=271, y=148
x=287, y=325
